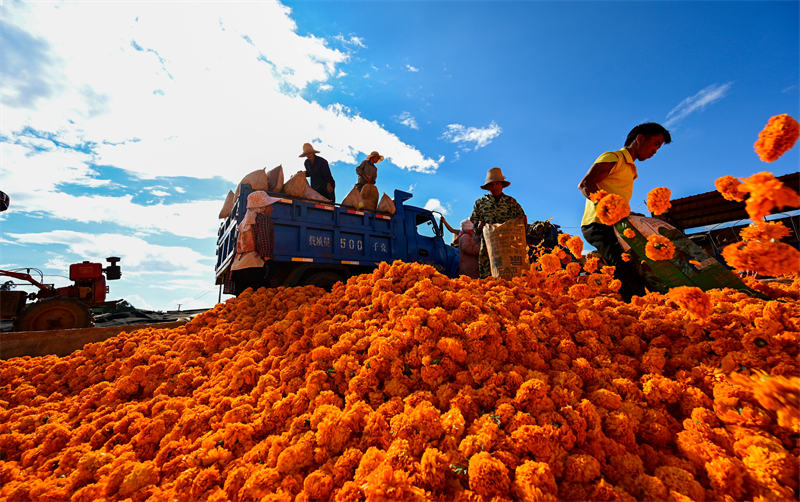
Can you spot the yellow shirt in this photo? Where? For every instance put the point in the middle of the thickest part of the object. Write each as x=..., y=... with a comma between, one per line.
x=618, y=181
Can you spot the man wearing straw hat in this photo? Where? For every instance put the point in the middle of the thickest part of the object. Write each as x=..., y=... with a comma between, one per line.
x=367, y=171
x=494, y=207
x=317, y=168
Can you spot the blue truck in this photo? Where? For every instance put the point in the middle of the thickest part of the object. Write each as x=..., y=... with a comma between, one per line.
x=321, y=243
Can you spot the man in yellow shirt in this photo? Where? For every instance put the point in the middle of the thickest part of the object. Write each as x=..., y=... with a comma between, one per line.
x=614, y=172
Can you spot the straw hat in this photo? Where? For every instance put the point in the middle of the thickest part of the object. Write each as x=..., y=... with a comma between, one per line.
x=260, y=199
x=467, y=225
x=495, y=174
x=375, y=154
x=307, y=148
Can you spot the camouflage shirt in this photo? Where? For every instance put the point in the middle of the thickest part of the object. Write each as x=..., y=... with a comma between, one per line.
x=490, y=210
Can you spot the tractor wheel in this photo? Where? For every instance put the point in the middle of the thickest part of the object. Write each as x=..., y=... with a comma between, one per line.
x=324, y=280
x=54, y=313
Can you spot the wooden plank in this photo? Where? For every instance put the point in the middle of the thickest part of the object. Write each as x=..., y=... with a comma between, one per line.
x=65, y=341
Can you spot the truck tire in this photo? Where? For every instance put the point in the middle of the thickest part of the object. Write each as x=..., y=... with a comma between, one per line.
x=54, y=313
x=324, y=280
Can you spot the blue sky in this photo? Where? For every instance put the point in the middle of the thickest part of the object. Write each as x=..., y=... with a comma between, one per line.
x=124, y=124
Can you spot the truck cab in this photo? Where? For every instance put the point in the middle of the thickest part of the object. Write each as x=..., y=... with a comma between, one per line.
x=321, y=243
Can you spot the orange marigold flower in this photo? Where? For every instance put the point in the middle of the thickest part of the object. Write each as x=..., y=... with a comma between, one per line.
x=629, y=233
x=549, y=263
x=766, y=258
x=562, y=239
x=318, y=485
x=659, y=248
x=582, y=468
x=612, y=208
x=765, y=231
x=658, y=200
x=767, y=193
x=534, y=481
x=728, y=187
x=693, y=299
x=575, y=246
x=595, y=197
x=626, y=257
x=591, y=264
x=488, y=476
x=777, y=137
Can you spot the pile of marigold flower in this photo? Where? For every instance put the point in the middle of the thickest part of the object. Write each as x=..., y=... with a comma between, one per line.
x=404, y=384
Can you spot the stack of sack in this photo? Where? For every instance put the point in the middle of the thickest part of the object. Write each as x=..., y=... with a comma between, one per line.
x=297, y=186
x=367, y=198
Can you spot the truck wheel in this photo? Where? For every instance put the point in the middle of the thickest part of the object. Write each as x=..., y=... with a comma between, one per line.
x=54, y=313
x=324, y=280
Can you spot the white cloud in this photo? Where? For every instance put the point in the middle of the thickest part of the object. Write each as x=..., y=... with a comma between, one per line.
x=159, y=193
x=36, y=181
x=133, y=93
x=412, y=69
x=408, y=120
x=352, y=40
x=699, y=101
x=477, y=136
x=436, y=205
x=139, y=257
x=325, y=87
x=137, y=86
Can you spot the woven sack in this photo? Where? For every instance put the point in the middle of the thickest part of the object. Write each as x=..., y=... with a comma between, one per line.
x=257, y=180
x=296, y=186
x=369, y=197
x=386, y=205
x=507, y=248
x=312, y=194
x=227, y=206
x=353, y=199
x=275, y=179
x=246, y=260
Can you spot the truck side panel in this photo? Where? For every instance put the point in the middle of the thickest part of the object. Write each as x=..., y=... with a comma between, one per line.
x=323, y=232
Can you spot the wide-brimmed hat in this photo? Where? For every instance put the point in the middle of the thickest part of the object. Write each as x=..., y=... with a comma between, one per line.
x=260, y=199
x=307, y=148
x=375, y=154
x=495, y=174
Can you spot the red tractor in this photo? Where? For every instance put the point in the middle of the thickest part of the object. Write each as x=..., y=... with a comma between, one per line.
x=58, y=308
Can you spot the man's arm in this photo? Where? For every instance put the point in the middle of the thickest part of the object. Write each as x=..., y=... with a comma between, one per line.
x=597, y=173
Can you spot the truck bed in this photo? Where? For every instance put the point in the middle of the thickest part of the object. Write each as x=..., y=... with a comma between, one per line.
x=308, y=230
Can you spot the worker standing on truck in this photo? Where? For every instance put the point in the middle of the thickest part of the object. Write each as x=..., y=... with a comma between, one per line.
x=614, y=172
x=367, y=171
x=495, y=207
x=317, y=168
